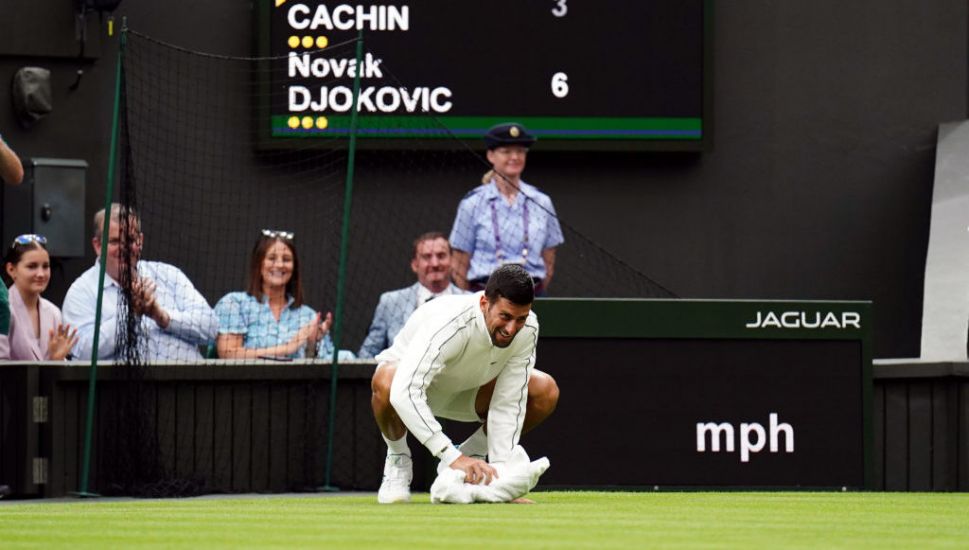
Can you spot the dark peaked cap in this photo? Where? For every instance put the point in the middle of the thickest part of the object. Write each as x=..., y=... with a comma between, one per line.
x=508, y=133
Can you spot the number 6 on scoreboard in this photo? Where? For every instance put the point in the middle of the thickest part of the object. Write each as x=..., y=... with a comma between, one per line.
x=560, y=85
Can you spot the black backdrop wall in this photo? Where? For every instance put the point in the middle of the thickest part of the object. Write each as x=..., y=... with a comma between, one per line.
x=818, y=185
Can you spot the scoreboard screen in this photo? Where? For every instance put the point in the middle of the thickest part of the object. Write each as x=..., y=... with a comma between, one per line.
x=580, y=74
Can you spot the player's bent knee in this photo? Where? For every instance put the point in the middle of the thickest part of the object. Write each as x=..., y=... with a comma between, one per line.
x=543, y=393
x=552, y=394
x=381, y=381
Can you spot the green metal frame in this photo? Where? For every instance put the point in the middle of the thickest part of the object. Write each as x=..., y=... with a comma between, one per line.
x=342, y=272
x=112, y=161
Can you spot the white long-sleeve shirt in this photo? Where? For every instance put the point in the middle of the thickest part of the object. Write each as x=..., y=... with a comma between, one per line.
x=193, y=323
x=444, y=349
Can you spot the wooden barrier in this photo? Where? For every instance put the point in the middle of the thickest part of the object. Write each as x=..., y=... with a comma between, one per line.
x=920, y=419
x=235, y=427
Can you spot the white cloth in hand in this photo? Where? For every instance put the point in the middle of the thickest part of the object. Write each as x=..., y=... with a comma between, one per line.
x=515, y=479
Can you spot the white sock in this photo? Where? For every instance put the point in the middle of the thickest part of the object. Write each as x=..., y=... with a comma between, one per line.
x=476, y=445
x=398, y=447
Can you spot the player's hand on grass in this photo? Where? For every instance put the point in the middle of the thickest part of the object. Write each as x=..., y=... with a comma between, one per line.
x=475, y=471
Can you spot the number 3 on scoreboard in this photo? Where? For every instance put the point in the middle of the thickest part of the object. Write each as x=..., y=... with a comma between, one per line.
x=560, y=8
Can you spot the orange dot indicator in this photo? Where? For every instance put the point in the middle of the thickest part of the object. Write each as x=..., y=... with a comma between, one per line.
x=293, y=41
x=322, y=122
x=293, y=122
x=307, y=41
x=308, y=122
x=322, y=42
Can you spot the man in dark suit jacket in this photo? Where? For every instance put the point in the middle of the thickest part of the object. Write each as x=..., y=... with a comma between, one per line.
x=432, y=265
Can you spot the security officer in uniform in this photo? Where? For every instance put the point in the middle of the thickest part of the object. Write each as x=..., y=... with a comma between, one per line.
x=505, y=220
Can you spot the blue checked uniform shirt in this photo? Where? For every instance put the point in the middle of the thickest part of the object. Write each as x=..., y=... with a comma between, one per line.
x=474, y=229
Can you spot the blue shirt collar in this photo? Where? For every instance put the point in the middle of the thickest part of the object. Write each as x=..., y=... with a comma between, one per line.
x=108, y=279
x=492, y=192
x=264, y=300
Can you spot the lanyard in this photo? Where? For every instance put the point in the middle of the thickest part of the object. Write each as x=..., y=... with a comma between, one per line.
x=499, y=255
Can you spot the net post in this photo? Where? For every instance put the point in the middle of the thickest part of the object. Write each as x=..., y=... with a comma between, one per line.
x=342, y=269
x=92, y=379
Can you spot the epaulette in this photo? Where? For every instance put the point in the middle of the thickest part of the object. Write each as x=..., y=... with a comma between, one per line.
x=478, y=189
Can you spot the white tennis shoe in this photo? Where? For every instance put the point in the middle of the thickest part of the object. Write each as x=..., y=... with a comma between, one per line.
x=398, y=473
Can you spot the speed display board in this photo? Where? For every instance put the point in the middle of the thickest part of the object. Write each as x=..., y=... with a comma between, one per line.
x=706, y=393
x=580, y=74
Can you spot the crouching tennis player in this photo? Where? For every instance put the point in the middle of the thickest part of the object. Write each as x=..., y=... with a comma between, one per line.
x=469, y=358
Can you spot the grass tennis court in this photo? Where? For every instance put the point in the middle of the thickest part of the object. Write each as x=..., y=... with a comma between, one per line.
x=559, y=520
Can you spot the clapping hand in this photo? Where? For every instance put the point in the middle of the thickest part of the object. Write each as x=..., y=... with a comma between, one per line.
x=142, y=295
x=144, y=301
x=62, y=340
x=324, y=326
x=311, y=333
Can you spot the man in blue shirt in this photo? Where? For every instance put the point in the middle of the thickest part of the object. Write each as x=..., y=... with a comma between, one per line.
x=173, y=317
x=432, y=265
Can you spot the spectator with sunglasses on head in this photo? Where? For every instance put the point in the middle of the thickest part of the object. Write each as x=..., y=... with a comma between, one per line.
x=269, y=319
x=36, y=331
x=11, y=172
x=173, y=318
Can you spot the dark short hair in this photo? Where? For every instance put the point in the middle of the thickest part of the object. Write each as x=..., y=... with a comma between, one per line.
x=294, y=287
x=431, y=236
x=511, y=282
x=15, y=253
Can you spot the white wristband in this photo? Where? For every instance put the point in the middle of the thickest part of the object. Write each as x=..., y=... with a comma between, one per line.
x=450, y=455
